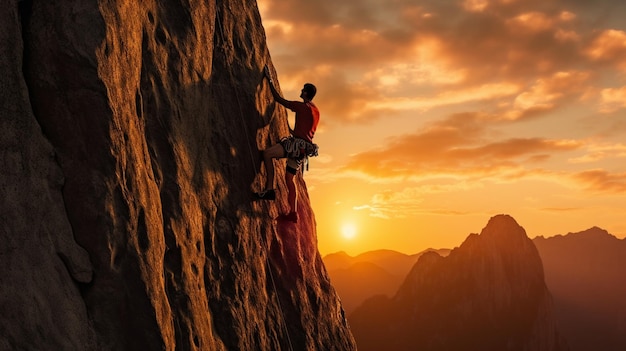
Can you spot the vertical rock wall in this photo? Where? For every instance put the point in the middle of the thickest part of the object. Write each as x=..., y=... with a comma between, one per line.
x=40, y=303
x=131, y=137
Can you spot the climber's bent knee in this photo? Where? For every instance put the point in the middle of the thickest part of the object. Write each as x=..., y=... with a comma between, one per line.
x=275, y=151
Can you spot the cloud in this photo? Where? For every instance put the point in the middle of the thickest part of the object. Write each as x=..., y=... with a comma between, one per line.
x=535, y=21
x=546, y=91
x=475, y=5
x=561, y=209
x=407, y=202
x=512, y=44
x=546, y=94
x=603, y=181
x=612, y=100
x=601, y=151
x=390, y=204
x=609, y=45
x=458, y=145
x=451, y=97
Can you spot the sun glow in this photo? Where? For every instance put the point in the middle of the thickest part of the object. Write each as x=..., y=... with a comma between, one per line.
x=348, y=231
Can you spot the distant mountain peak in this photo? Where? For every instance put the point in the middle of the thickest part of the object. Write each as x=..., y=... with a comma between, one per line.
x=502, y=219
x=593, y=231
x=489, y=293
x=592, y=236
x=503, y=225
x=501, y=240
x=338, y=254
x=585, y=274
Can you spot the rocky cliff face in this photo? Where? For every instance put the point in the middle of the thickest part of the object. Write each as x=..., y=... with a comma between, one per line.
x=130, y=143
x=488, y=294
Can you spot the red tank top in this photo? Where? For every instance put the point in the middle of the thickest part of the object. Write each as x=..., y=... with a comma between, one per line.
x=307, y=118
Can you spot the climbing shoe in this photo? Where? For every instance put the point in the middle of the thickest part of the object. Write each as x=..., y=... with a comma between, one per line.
x=266, y=195
x=289, y=217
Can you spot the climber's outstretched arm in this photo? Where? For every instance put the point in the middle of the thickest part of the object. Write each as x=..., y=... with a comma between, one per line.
x=275, y=93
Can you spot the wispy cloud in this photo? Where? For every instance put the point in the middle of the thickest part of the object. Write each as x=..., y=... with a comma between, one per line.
x=546, y=93
x=406, y=203
x=603, y=181
x=600, y=151
x=608, y=46
x=613, y=99
x=458, y=145
x=561, y=209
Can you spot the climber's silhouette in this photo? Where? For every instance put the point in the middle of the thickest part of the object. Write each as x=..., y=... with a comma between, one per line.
x=296, y=147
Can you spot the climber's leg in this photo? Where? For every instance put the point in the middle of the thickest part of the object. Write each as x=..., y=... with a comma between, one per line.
x=269, y=154
x=292, y=196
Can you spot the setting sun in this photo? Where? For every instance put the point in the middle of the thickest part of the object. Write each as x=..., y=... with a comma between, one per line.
x=348, y=230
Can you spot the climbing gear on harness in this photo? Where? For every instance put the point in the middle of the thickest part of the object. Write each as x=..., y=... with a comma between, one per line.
x=298, y=151
x=298, y=148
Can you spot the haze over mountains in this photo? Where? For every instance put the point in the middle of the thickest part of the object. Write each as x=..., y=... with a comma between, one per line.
x=584, y=273
x=371, y=273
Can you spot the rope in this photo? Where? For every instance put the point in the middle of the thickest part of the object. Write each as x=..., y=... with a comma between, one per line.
x=267, y=262
x=280, y=306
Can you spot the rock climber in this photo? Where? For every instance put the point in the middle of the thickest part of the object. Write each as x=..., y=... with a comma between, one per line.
x=296, y=147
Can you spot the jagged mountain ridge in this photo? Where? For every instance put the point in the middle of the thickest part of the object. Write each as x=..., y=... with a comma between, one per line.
x=371, y=273
x=130, y=137
x=487, y=294
x=586, y=275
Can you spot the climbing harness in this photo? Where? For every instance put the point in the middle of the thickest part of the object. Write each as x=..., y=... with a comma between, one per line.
x=299, y=150
x=267, y=261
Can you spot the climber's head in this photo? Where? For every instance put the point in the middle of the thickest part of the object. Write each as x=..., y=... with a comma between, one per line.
x=308, y=91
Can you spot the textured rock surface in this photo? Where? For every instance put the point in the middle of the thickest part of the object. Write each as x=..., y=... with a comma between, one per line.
x=130, y=143
x=488, y=294
x=39, y=303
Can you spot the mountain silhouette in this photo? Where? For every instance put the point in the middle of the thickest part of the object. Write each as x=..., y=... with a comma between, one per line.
x=130, y=134
x=371, y=273
x=487, y=294
x=586, y=274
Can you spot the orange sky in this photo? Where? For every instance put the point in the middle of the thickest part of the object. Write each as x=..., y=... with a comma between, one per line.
x=439, y=114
